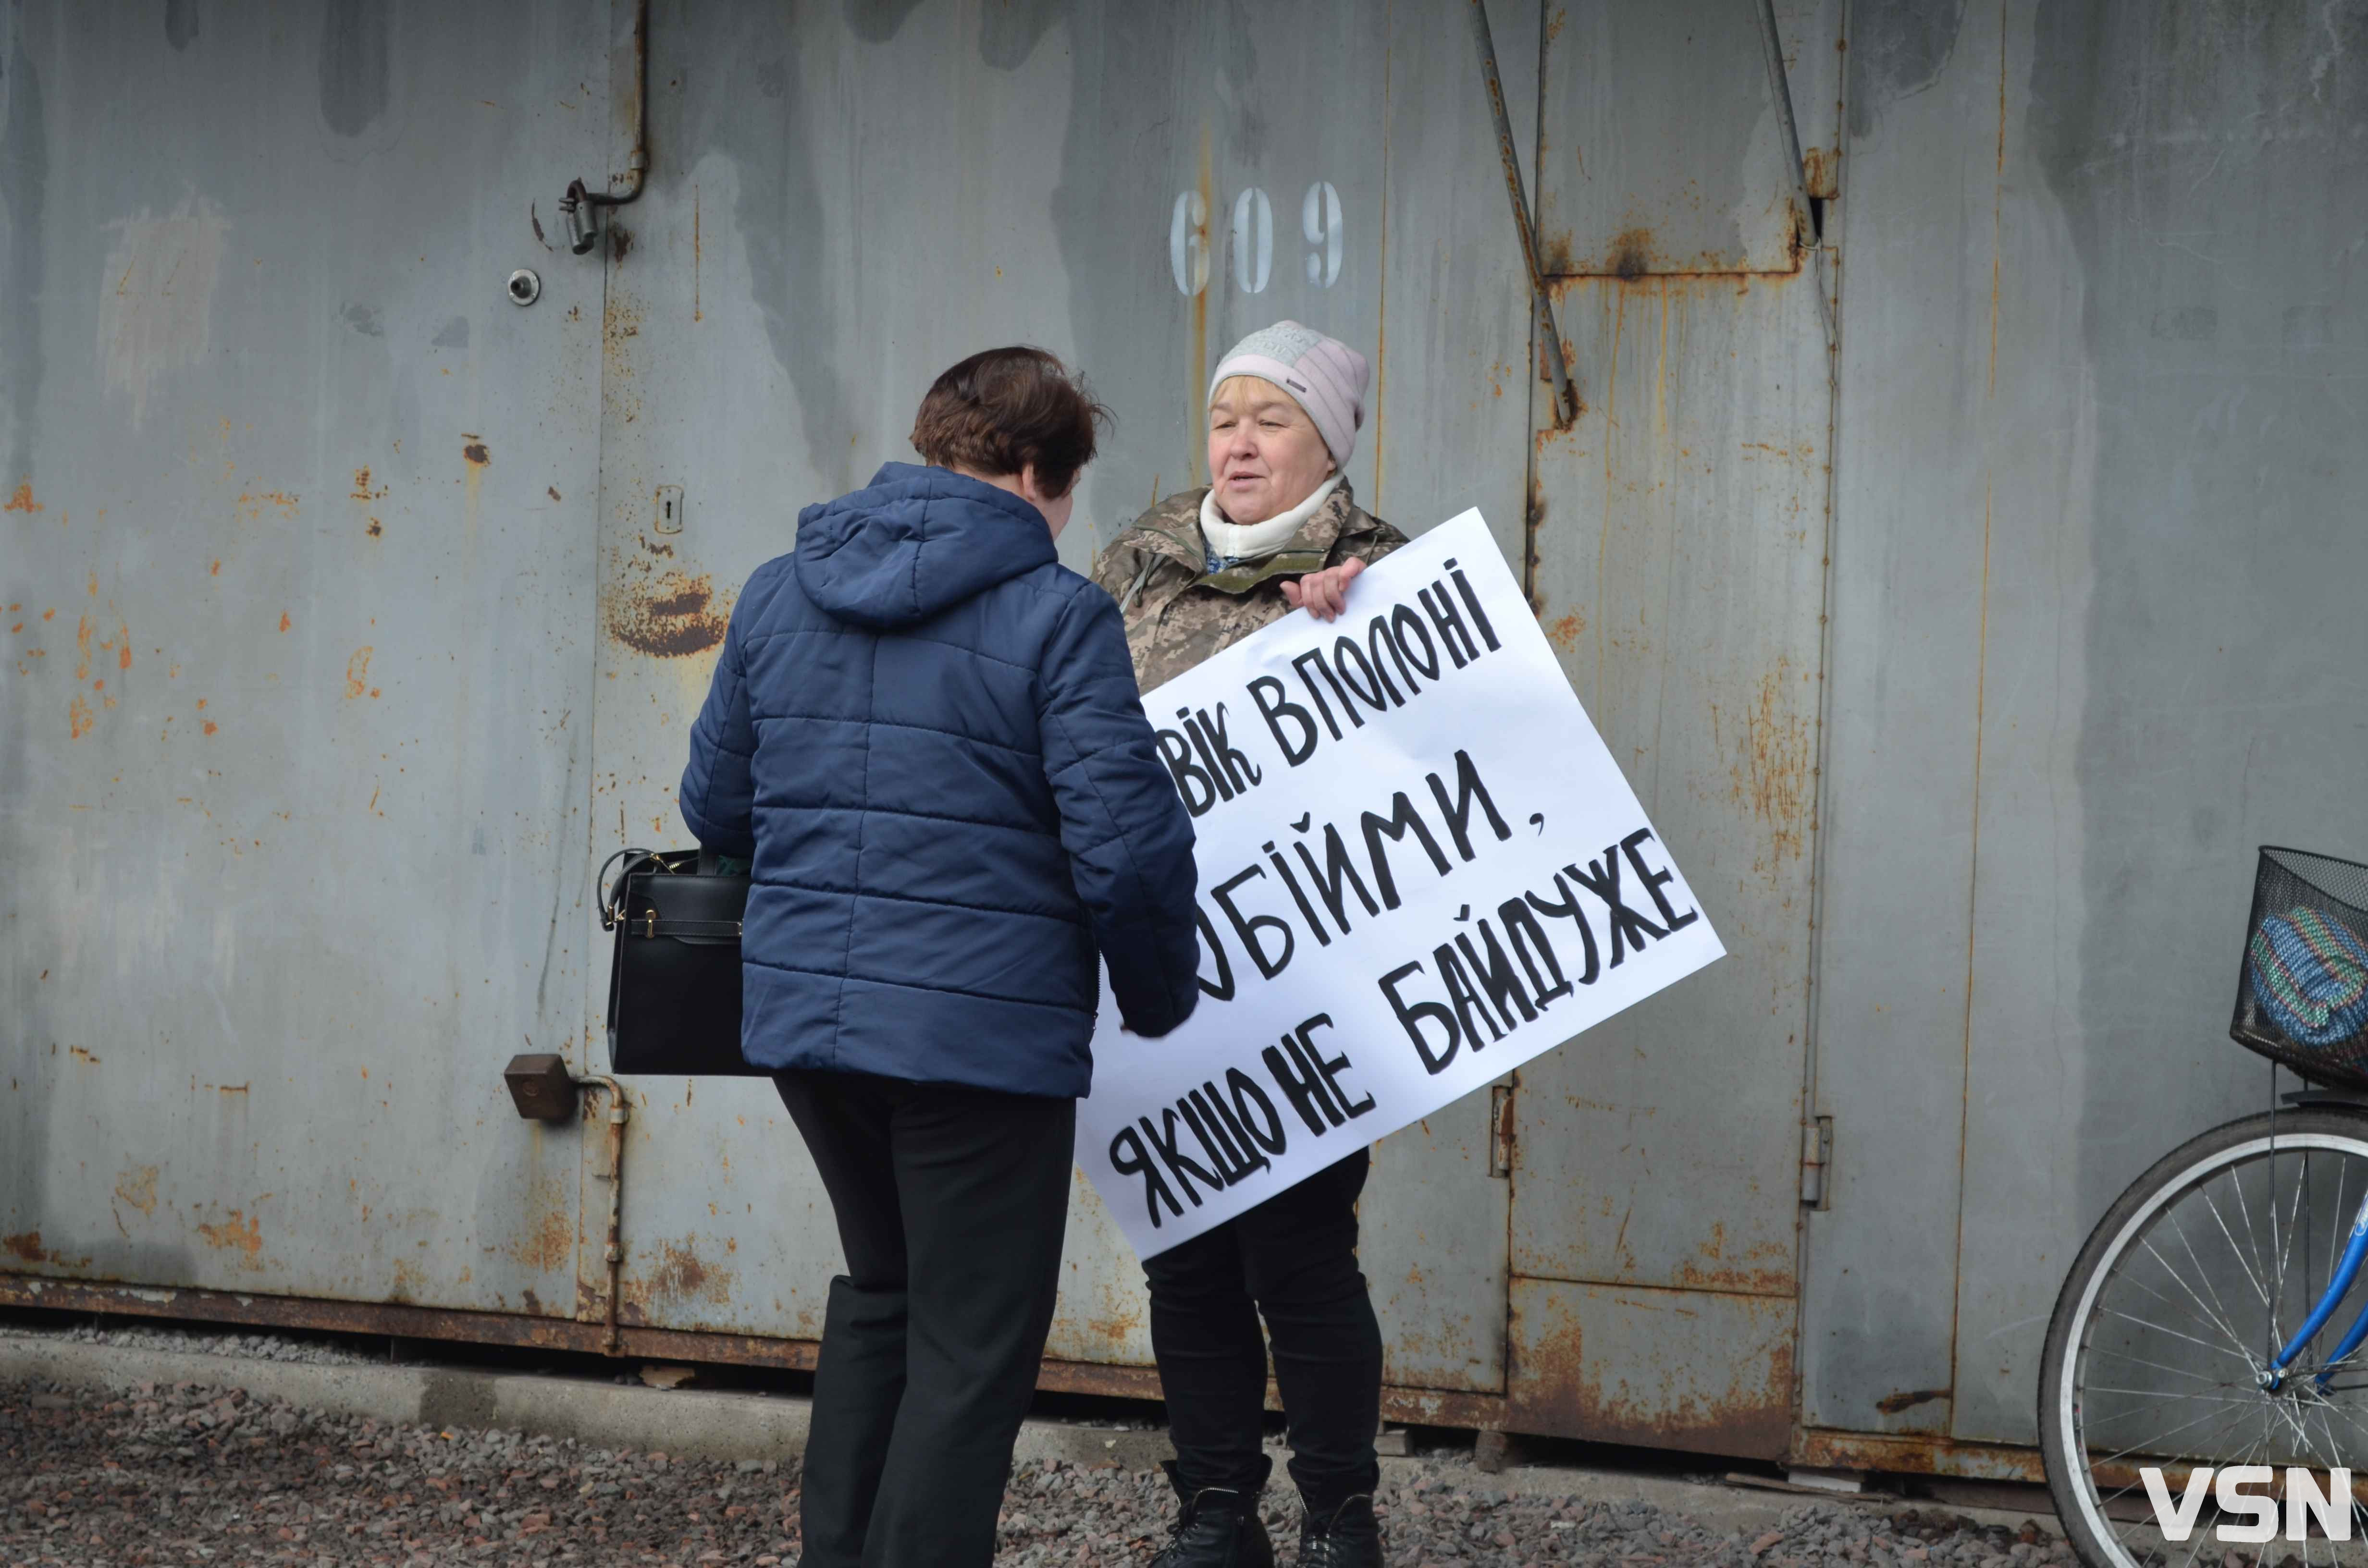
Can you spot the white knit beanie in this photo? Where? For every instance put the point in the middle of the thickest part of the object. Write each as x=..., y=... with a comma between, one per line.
x=1324, y=374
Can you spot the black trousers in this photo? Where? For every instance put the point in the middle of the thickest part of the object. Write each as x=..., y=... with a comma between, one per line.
x=951, y=1205
x=1292, y=1258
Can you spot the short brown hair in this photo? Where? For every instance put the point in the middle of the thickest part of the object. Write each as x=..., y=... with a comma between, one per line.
x=999, y=411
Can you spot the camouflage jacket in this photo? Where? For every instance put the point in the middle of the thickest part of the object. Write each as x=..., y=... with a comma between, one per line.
x=1178, y=612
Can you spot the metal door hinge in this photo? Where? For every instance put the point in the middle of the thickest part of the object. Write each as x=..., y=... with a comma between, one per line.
x=1817, y=1154
x=1500, y=1131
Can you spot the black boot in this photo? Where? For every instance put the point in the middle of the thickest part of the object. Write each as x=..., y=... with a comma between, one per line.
x=1348, y=1537
x=1219, y=1527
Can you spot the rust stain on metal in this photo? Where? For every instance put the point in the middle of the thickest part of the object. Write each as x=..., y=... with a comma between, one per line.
x=1563, y=1386
x=1911, y=1454
x=621, y=241
x=1565, y=631
x=552, y=1241
x=79, y=718
x=475, y=452
x=253, y=503
x=240, y=1233
x=1820, y=167
x=136, y=1189
x=375, y=529
x=26, y=1245
x=358, y=673
x=1197, y=454
x=1632, y=252
x=285, y=622
x=551, y=491
x=409, y=1280
x=1764, y=1270
x=1774, y=777
x=668, y=615
x=680, y=1274
x=1908, y=1399
x=1635, y=255
x=22, y=499
x=362, y=491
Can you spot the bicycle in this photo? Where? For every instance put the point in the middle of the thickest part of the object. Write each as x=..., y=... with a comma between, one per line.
x=2193, y=1327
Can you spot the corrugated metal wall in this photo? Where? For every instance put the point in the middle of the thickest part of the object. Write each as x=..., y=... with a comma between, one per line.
x=1964, y=671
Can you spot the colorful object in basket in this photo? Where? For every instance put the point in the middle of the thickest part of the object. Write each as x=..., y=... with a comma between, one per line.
x=2310, y=973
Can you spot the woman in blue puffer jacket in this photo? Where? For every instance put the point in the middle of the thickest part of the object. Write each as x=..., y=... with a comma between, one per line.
x=923, y=733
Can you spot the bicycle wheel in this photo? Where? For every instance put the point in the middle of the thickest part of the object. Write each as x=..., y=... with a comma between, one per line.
x=2190, y=1284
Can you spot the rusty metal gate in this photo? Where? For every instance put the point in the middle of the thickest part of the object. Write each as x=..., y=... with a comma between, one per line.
x=355, y=609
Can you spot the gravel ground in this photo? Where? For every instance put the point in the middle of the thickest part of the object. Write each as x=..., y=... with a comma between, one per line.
x=185, y=1474
x=267, y=1347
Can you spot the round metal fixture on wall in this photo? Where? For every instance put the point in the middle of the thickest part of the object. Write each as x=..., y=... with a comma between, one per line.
x=525, y=288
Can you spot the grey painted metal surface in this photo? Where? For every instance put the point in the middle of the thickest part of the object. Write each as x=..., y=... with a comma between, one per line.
x=842, y=206
x=1680, y=573
x=2095, y=593
x=272, y=440
x=294, y=739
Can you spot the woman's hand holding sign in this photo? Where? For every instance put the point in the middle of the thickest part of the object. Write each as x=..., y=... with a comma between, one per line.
x=1324, y=595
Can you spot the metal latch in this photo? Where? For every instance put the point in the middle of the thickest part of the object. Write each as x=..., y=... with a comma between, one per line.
x=651, y=929
x=1817, y=1154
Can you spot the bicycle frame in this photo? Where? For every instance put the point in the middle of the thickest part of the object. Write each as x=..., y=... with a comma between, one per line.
x=2355, y=1251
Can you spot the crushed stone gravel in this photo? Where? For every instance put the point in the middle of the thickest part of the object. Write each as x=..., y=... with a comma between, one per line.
x=186, y=1474
x=267, y=1347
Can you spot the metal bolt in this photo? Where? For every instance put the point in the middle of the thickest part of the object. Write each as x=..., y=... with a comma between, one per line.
x=525, y=287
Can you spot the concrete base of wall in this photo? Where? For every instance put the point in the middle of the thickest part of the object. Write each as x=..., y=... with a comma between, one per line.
x=725, y=1426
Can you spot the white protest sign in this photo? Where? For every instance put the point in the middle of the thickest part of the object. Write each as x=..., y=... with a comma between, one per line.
x=1419, y=867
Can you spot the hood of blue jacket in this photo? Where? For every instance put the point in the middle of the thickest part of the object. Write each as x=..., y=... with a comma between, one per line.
x=913, y=542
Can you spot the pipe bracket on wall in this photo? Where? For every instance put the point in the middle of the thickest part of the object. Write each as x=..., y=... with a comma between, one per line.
x=581, y=205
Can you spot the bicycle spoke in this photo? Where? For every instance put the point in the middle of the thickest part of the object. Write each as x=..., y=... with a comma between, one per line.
x=2204, y=1274
x=2247, y=1215
x=2292, y=1225
x=2146, y=1447
x=2233, y=1338
x=2161, y=1328
x=2162, y=1367
x=2154, y=1393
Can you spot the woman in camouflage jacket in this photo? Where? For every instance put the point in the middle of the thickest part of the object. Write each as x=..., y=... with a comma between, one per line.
x=1278, y=531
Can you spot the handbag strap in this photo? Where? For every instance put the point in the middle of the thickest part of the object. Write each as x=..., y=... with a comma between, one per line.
x=653, y=924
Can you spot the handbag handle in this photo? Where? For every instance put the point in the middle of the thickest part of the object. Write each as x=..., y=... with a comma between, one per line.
x=612, y=895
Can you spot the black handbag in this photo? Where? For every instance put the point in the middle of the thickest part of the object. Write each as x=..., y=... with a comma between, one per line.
x=674, y=988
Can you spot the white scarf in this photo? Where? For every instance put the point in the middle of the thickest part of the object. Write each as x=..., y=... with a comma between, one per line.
x=1254, y=542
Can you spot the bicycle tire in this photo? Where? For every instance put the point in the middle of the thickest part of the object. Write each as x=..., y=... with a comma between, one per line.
x=2224, y=1152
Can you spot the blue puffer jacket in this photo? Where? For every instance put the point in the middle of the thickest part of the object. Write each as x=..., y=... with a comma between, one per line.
x=925, y=734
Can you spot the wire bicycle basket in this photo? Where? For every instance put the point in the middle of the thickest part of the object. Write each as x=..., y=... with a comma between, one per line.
x=2302, y=991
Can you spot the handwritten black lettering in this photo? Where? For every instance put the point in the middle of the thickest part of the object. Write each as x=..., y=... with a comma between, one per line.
x=1274, y=702
x=1403, y=818
x=1247, y=926
x=1655, y=880
x=1128, y=1157
x=1412, y=1016
x=1468, y=789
